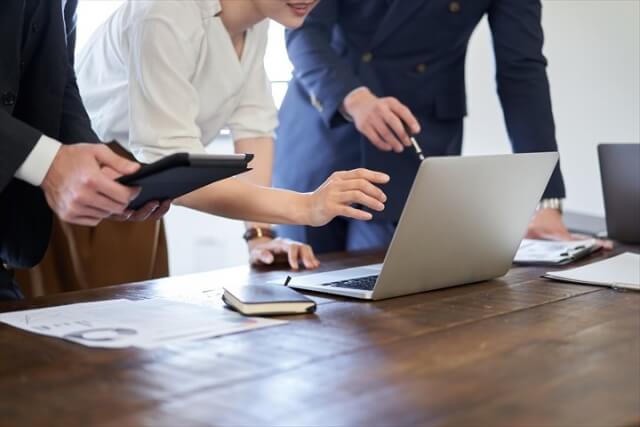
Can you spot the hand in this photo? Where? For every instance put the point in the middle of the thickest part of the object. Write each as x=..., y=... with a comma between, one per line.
x=384, y=121
x=151, y=211
x=547, y=224
x=342, y=189
x=80, y=191
x=263, y=251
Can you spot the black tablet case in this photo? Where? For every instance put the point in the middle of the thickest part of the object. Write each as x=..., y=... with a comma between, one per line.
x=182, y=173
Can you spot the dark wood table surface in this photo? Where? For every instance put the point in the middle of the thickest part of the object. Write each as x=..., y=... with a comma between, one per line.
x=515, y=351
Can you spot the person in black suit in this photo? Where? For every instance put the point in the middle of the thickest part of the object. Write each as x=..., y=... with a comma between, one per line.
x=40, y=114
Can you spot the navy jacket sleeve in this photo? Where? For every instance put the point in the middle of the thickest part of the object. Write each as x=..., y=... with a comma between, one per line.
x=522, y=81
x=76, y=125
x=324, y=75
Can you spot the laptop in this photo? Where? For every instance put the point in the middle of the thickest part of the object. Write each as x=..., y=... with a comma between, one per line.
x=463, y=222
x=620, y=173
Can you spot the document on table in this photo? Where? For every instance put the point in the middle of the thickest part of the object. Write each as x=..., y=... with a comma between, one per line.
x=125, y=323
x=545, y=252
x=622, y=271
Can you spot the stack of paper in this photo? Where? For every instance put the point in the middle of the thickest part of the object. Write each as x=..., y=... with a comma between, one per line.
x=622, y=271
x=125, y=323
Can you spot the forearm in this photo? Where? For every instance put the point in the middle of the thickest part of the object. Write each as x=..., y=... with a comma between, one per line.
x=238, y=199
x=262, y=166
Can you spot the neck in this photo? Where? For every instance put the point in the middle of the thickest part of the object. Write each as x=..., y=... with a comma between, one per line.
x=238, y=16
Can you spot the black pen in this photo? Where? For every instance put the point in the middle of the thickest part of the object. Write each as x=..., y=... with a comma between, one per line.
x=286, y=282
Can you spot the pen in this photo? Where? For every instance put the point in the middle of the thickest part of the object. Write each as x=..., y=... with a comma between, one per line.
x=286, y=282
x=417, y=148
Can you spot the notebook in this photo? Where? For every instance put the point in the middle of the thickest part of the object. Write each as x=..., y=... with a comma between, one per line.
x=545, y=252
x=622, y=271
x=267, y=300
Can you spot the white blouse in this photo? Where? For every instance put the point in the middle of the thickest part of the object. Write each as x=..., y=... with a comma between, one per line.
x=161, y=77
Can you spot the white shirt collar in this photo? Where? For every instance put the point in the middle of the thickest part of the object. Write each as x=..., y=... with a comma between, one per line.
x=209, y=8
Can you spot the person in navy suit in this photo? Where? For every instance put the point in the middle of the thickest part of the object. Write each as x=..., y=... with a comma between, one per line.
x=369, y=73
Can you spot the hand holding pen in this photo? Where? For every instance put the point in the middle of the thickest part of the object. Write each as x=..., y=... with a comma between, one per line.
x=386, y=122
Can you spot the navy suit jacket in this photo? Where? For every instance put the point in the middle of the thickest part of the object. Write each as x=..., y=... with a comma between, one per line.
x=37, y=98
x=413, y=50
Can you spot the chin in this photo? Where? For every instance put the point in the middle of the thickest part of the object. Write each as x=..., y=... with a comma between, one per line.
x=291, y=22
x=292, y=13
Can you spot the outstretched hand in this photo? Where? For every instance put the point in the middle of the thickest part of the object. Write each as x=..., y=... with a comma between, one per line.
x=266, y=251
x=341, y=190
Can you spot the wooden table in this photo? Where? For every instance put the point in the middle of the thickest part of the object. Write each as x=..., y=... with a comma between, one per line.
x=516, y=351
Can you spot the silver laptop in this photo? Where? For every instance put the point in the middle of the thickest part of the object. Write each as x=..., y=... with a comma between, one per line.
x=462, y=223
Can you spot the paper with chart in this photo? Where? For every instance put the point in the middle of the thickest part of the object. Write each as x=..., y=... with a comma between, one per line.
x=125, y=323
x=622, y=271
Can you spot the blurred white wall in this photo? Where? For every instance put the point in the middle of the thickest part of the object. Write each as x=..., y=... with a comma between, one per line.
x=593, y=48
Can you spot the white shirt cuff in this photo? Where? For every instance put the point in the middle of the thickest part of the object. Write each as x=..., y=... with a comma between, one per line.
x=35, y=167
x=343, y=111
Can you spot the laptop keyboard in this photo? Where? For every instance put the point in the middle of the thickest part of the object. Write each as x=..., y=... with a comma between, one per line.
x=363, y=283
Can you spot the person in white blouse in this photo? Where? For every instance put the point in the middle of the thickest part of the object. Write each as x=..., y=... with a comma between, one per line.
x=166, y=76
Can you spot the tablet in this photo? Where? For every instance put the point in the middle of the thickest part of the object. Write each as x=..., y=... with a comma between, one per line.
x=182, y=173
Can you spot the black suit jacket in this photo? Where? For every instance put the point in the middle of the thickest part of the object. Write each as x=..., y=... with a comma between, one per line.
x=39, y=98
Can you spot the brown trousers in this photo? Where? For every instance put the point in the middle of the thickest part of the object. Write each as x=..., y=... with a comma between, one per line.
x=112, y=253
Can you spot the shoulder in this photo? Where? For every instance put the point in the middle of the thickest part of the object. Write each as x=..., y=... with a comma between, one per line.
x=182, y=18
x=262, y=29
x=261, y=34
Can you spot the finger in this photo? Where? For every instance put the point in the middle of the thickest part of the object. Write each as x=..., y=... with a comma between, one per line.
x=405, y=115
x=362, y=173
x=349, y=212
x=103, y=203
x=604, y=244
x=86, y=220
x=125, y=216
x=294, y=251
x=161, y=211
x=364, y=186
x=577, y=236
x=91, y=211
x=279, y=246
x=399, y=129
x=110, y=173
x=115, y=191
x=144, y=212
x=106, y=157
x=84, y=215
x=607, y=245
x=308, y=258
x=387, y=136
x=375, y=139
x=265, y=257
x=351, y=197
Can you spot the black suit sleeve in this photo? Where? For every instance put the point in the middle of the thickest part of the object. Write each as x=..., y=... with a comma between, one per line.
x=18, y=139
x=76, y=125
x=523, y=86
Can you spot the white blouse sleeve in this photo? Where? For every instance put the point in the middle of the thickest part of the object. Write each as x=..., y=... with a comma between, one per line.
x=256, y=116
x=163, y=103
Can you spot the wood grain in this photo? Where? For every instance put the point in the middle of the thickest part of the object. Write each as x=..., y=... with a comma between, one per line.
x=518, y=350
